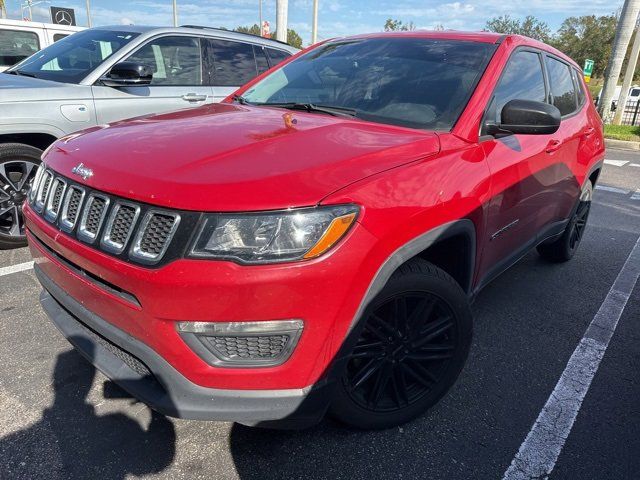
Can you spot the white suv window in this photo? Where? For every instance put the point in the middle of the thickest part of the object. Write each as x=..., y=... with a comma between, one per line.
x=174, y=60
x=16, y=45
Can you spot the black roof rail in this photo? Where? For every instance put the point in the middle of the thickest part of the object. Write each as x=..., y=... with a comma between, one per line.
x=202, y=27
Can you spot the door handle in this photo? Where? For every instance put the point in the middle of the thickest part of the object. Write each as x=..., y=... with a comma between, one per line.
x=192, y=97
x=553, y=145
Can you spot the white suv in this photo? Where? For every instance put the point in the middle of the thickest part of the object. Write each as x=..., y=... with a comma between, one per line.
x=105, y=74
x=20, y=39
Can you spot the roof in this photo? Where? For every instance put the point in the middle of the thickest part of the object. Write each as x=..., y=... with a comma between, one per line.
x=484, y=37
x=27, y=24
x=200, y=31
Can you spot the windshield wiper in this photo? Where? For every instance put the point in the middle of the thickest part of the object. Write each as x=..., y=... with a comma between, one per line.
x=312, y=107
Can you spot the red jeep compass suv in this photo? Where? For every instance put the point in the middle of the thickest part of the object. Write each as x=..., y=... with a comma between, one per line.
x=312, y=244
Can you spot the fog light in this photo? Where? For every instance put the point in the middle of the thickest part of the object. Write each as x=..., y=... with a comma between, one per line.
x=242, y=344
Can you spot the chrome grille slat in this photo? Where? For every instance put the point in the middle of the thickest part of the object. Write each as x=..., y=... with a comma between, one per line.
x=52, y=208
x=119, y=226
x=71, y=207
x=106, y=222
x=93, y=216
x=154, y=235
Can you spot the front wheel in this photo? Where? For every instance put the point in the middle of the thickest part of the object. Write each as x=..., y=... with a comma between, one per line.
x=18, y=165
x=564, y=248
x=413, y=345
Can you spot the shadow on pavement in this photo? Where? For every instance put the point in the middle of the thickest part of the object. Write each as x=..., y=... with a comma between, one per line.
x=72, y=441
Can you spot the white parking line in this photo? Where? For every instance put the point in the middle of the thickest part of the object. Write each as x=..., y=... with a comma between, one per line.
x=634, y=164
x=612, y=189
x=21, y=267
x=636, y=195
x=617, y=163
x=540, y=450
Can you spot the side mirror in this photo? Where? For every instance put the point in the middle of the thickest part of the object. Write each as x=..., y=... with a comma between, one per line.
x=526, y=117
x=125, y=74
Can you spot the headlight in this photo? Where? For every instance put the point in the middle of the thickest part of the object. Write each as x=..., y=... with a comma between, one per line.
x=273, y=236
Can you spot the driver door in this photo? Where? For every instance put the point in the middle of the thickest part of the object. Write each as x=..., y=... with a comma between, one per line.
x=180, y=80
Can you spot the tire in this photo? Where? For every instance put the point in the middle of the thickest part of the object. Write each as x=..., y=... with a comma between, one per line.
x=564, y=248
x=18, y=165
x=413, y=345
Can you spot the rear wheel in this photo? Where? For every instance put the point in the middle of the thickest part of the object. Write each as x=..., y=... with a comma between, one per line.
x=565, y=247
x=414, y=343
x=18, y=165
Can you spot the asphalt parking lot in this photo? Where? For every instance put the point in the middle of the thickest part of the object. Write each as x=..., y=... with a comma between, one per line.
x=61, y=419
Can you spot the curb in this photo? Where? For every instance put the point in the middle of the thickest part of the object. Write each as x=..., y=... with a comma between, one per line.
x=610, y=143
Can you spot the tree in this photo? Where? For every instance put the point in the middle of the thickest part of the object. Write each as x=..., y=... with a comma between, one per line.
x=293, y=38
x=392, y=25
x=529, y=27
x=587, y=37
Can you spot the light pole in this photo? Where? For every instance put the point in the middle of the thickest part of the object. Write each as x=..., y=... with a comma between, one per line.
x=175, y=13
x=314, y=28
x=260, y=16
x=624, y=30
x=282, y=7
x=628, y=78
x=89, y=13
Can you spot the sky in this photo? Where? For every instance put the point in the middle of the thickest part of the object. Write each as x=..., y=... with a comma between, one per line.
x=336, y=17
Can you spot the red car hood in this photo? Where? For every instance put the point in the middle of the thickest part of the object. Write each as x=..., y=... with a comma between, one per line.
x=227, y=157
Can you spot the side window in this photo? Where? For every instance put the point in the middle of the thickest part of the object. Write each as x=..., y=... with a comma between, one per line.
x=582, y=95
x=174, y=60
x=276, y=56
x=522, y=79
x=59, y=36
x=261, y=59
x=563, y=93
x=15, y=46
x=234, y=63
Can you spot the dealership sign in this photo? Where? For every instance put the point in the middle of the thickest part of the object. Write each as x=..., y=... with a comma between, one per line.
x=588, y=70
x=63, y=16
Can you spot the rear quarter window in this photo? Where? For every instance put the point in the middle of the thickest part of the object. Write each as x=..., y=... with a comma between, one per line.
x=17, y=45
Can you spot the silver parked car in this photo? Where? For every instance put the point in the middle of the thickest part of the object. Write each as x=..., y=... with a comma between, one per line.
x=105, y=74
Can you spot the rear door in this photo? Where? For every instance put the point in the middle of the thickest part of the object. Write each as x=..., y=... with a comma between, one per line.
x=234, y=64
x=523, y=175
x=180, y=80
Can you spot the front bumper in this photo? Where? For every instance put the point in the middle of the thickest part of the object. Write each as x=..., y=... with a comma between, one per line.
x=147, y=376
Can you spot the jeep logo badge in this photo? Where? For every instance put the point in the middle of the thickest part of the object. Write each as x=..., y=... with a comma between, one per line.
x=84, y=172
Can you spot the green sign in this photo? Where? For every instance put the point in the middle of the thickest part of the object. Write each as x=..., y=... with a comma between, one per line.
x=588, y=67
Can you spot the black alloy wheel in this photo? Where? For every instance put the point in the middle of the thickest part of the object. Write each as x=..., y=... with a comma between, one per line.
x=410, y=351
x=18, y=166
x=565, y=247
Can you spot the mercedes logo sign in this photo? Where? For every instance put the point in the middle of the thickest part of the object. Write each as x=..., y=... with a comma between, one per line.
x=63, y=18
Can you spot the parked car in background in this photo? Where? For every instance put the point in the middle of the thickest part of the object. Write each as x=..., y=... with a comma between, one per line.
x=105, y=74
x=313, y=243
x=20, y=39
x=632, y=98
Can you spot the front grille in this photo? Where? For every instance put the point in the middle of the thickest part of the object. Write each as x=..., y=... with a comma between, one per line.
x=109, y=223
x=156, y=234
x=247, y=347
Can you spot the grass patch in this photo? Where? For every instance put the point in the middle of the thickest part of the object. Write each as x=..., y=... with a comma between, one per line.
x=622, y=132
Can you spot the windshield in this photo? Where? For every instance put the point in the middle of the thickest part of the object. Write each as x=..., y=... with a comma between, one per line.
x=411, y=82
x=71, y=59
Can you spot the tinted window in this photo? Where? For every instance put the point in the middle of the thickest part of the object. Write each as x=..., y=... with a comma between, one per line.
x=522, y=79
x=562, y=88
x=59, y=36
x=261, y=59
x=419, y=83
x=74, y=57
x=174, y=60
x=582, y=95
x=234, y=63
x=15, y=46
x=276, y=56
x=635, y=92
